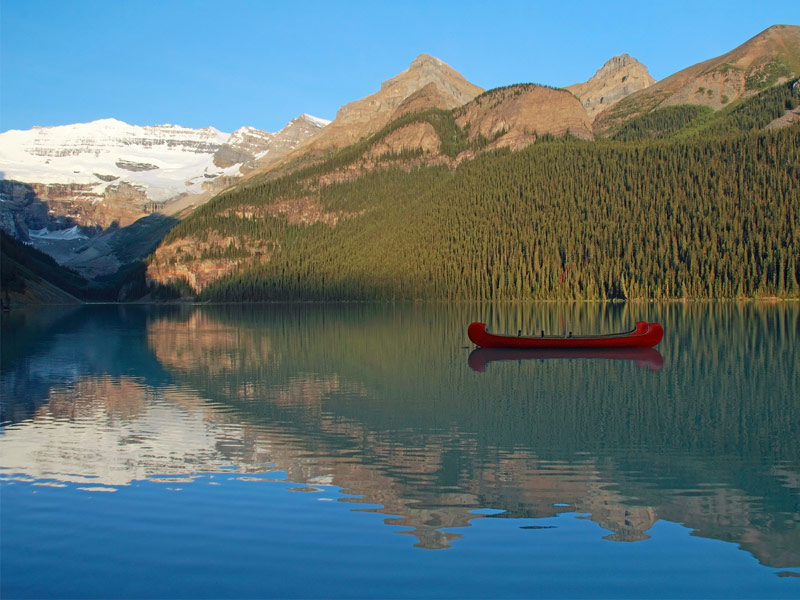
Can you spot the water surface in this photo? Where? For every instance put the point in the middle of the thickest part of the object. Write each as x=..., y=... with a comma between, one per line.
x=360, y=450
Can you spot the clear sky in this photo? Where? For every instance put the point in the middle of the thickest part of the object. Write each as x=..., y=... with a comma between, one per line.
x=229, y=63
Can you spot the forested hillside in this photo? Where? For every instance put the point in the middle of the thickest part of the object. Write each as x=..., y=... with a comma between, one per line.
x=26, y=273
x=683, y=204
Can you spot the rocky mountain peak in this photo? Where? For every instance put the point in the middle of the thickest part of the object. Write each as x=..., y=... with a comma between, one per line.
x=424, y=70
x=250, y=147
x=299, y=129
x=308, y=120
x=619, y=77
x=621, y=62
x=443, y=86
x=426, y=60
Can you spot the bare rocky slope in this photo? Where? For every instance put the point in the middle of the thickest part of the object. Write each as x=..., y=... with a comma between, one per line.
x=618, y=78
x=513, y=117
x=508, y=117
x=441, y=87
x=769, y=58
x=427, y=83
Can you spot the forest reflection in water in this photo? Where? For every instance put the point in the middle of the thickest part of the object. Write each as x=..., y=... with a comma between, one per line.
x=392, y=403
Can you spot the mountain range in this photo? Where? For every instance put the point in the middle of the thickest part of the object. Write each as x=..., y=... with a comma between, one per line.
x=107, y=172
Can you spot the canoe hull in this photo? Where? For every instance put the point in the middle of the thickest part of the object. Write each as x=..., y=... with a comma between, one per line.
x=646, y=335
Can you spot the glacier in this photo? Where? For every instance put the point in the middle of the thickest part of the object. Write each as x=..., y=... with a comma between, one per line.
x=163, y=161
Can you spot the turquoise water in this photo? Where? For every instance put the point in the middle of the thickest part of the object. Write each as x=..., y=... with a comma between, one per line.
x=370, y=451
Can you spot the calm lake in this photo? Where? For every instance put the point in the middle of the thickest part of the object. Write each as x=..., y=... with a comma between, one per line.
x=358, y=450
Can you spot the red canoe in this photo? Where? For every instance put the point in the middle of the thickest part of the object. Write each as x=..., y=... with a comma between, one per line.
x=646, y=335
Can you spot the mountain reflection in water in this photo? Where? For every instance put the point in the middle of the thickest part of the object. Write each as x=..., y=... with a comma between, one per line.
x=385, y=402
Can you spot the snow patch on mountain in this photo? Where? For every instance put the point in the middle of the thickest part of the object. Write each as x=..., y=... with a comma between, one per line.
x=73, y=233
x=315, y=120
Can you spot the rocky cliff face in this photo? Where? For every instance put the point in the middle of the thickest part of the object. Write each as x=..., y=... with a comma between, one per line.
x=621, y=76
x=769, y=58
x=242, y=146
x=59, y=206
x=199, y=262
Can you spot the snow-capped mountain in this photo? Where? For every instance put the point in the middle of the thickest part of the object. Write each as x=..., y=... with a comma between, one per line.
x=161, y=161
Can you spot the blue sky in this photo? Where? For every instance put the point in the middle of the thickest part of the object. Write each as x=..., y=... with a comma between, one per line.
x=261, y=63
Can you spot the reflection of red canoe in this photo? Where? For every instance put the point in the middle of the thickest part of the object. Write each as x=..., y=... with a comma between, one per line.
x=644, y=357
x=646, y=335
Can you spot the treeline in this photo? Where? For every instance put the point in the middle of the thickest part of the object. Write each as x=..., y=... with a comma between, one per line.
x=711, y=211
